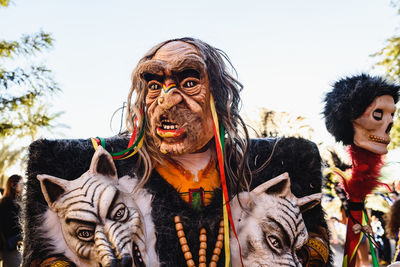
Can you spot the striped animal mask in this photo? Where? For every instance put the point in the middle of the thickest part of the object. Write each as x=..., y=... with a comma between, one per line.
x=99, y=219
x=270, y=226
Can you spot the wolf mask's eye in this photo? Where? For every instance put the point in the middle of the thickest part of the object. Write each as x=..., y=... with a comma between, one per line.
x=85, y=233
x=119, y=212
x=274, y=242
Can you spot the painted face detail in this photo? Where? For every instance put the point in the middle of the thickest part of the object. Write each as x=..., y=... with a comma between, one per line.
x=270, y=228
x=372, y=129
x=177, y=99
x=101, y=223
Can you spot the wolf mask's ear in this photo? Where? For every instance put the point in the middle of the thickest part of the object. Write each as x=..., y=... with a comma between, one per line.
x=279, y=185
x=102, y=163
x=309, y=202
x=52, y=187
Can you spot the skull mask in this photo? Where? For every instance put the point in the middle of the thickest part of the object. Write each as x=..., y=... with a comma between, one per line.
x=372, y=129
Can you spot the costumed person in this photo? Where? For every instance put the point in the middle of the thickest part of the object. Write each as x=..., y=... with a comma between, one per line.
x=10, y=229
x=393, y=227
x=359, y=112
x=216, y=195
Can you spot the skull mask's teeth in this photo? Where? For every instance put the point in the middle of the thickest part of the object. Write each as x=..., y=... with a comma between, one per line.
x=378, y=139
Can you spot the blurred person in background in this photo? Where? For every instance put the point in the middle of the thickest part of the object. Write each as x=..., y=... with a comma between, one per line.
x=392, y=227
x=10, y=229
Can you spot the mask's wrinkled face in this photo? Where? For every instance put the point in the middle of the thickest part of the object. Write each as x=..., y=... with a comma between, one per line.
x=177, y=99
x=372, y=129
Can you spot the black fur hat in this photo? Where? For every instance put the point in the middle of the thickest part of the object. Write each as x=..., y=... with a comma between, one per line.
x=348, y=100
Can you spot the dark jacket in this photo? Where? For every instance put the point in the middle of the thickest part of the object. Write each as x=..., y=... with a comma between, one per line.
x=10, y=228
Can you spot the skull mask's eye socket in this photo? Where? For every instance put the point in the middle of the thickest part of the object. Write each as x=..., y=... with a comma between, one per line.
x=377, y=114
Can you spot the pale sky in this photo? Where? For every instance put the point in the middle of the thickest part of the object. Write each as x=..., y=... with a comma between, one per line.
x=286, y=53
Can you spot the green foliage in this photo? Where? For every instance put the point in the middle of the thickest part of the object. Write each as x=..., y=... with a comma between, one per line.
x=25, y=91
x=4, y=3
x=389, y=58
x=395, y=132
x=28, y=45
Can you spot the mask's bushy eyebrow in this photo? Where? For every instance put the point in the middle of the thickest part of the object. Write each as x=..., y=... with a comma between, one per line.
x=189, y=62
x=153, y=67
x=188, y=73
x=150, y=77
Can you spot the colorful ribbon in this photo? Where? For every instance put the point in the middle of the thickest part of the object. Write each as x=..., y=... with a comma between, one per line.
x=219, y=134
x=132, y=147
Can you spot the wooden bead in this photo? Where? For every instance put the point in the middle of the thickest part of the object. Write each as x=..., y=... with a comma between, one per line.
x=220, y=237
x=219, y=244
x=187, y=255
x=202, y=252
x=178, y=226
x=203, y=238
x=190, y=263
x=221, y=230
x=202, y=259
x=215, y=258
x=203, y=245
x=185, y=248
x=182, y=241
x=181, y=233
x=217, y=251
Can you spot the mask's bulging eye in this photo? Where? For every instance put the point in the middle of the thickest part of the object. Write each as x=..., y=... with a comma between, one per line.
x=154, y=86
x=377, y=114
x=85, y=234
x=119, y=212
x=275, y=242
x=189, y=84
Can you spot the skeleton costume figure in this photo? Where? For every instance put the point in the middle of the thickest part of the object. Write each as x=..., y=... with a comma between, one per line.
x=359, y=112
x=183, y=90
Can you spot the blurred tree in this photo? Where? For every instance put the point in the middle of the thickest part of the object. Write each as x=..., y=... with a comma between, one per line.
x=274, y=124
x=395, y=132
x=8, y=157
x=25, y=91
x=389, y=58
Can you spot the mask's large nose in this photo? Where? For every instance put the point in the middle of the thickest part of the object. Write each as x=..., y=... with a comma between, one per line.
x=170, y=95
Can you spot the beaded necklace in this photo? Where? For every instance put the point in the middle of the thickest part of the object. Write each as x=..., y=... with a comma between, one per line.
x=203, y=245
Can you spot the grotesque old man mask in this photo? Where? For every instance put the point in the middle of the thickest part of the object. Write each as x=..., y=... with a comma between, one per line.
x=177, y=99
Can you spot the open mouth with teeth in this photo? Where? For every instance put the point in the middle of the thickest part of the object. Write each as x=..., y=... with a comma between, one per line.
x=168, y=128
x=378, y=139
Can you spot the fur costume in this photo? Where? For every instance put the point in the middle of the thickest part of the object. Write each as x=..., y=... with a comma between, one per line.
x=68, y=159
